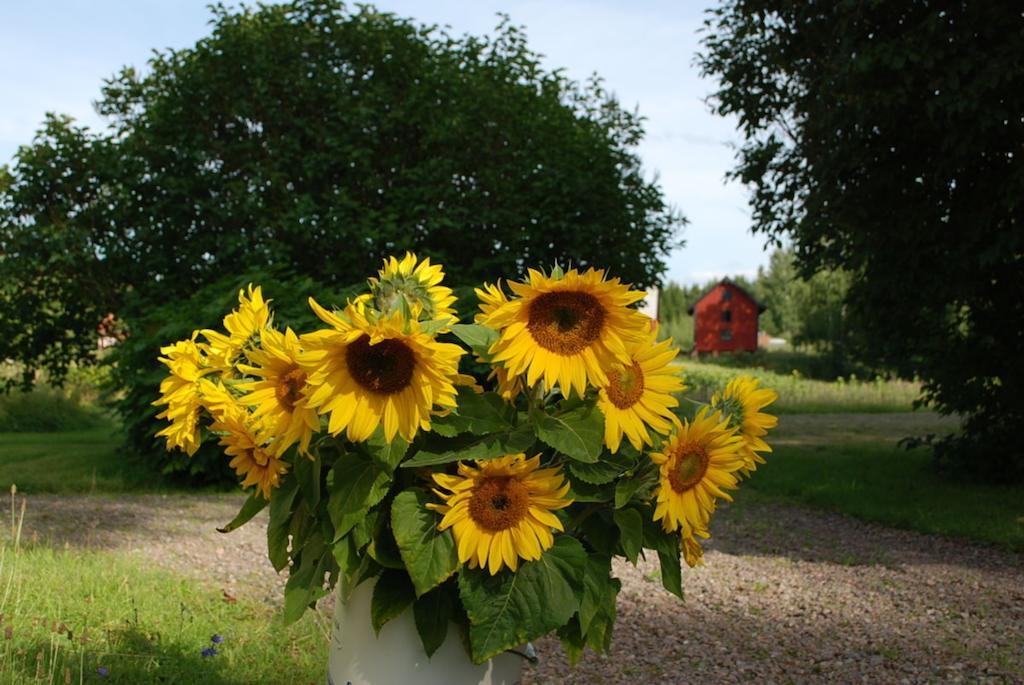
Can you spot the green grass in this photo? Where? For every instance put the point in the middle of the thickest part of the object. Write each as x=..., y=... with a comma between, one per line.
x=72, y=462
x=799, y=395
x=66, y=613
x=851, y=464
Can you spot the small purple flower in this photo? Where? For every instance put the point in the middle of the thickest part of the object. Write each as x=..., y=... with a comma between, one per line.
x=103, y=671
x=210, y=651
x=217, y=639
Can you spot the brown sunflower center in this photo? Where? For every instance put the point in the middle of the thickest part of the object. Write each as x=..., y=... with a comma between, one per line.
x=691, y=463
x=566, y=322
x=384, y=368
x=289, y=388
x=499, y=502
x=626, y=386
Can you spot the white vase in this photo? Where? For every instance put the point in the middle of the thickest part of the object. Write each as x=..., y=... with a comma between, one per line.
x=396, y=656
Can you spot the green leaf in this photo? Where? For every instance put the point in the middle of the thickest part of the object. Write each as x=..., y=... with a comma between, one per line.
x=479, y=338
x=585, y=492
x=578, y=433
x=572, y=640
x=508, y=609
x=429, y=554
x=388, y=455
x=302, y=525
x=599, y=588
x=306, y=582
x=479, y=413
x=433, y=612
x=281, y=501
x=631, y=532
x=392, y=595
x=601, y=472
x=667, y=546
x=479, y=447
x=434, y=325
x=307, y=472
x=638, y=486
x=253, y=505
x=356, y=483
x=382, y=545
x=600, y=533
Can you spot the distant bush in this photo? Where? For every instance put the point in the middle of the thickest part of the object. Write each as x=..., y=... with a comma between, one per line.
x=680, y=329
x=47, y=409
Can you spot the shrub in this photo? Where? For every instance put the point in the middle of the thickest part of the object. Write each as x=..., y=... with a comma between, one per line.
x=314, y=138
x=45, y=409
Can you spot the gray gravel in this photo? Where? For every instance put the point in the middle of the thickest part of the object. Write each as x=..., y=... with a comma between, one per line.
x=789, y=595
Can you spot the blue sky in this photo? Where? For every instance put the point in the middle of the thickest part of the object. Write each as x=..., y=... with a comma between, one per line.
x=54, y=55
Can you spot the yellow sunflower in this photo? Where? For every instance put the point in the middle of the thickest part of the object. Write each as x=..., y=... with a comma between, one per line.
x=250, y=455
x=693, y=553
x=368, y=369
x=500, y=512
x=244, y=326
x=491, y=297
x=566, y=330
x=698, y=463
x=639, y=394
x=180, y=392
x=279, y=397
x=741, y=403
x=418, y=283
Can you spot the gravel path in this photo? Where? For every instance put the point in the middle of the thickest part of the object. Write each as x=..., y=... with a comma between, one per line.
x=789, y=595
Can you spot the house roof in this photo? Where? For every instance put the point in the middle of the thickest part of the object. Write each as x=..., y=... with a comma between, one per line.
x=726, y=281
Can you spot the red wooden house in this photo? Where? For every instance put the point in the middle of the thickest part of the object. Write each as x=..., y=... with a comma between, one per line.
x=725, y=319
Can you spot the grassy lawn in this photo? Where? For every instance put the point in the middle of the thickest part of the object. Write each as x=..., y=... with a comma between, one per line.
x=851, y=464
x=67, y=614
x=70, y=462
x=800, y=395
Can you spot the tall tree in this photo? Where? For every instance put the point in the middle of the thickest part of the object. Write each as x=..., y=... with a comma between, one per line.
x=315, y=139
x=886, y=139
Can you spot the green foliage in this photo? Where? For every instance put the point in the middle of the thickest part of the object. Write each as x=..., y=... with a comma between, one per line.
x=432, y=613
x=428, y=554
x=679, y=329
x=884, y=140
x=508, y=609
x=667, y=546
x=356, y=484
x=392, y=595
x=479, y=447
x=578, y=432
x=316, y=139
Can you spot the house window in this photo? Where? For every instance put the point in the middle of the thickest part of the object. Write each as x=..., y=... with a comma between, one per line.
x=727, y=295
x=727, y=315
x=726, y=334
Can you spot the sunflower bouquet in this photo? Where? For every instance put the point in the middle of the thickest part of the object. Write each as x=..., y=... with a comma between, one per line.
x=492, y=497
